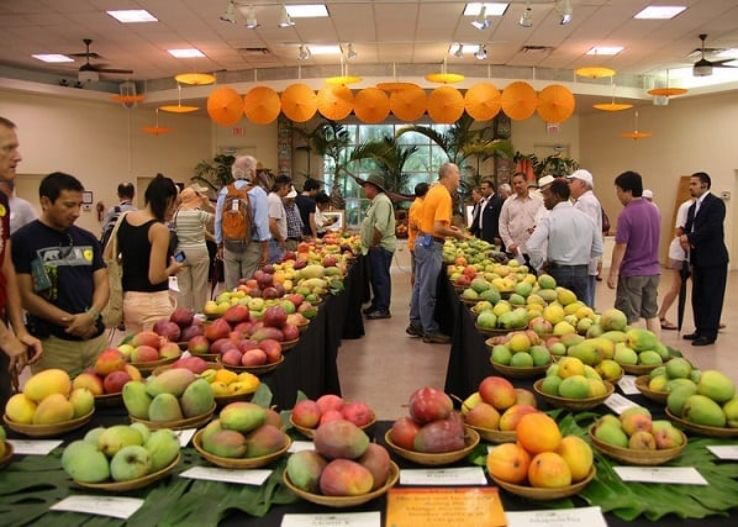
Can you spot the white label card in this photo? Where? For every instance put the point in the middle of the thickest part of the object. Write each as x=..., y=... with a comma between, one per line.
x=341, y=519
x=618, y=404
x=585, y=516
x=240, y=477
x=173, y=284
x=234, y=205
x=628, y=385
x=724, y=451
x=299, y=446
x=185, y=436
x=443, y=476
x=122, y=508
x=670, y=475
x=31, y=447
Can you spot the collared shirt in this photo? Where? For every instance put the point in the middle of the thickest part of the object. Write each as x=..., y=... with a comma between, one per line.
x=590, y=205
x=572, y=238
x=277, y=213
x=517, y=217
x=482, y=205
x=294, y=222
x=639, y=226
x=21, y=213
x=413, y=222
x=259, y=212
x=379, y=217
x=699, y=204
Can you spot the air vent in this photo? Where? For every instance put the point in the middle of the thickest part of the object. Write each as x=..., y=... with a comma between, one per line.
x=254, y=52
x=536, y=49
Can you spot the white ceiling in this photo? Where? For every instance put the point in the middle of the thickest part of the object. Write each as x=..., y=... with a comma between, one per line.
x=382, y=31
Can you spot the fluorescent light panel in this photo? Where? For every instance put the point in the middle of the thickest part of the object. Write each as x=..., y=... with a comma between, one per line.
x=317, y=49
x=53, y=57
x=660, y=12
x=186, y=53
x=132, y=16
x=729, y=53
x=493, y=8
x=468, y=48
x=605, y=50
x=307, y=10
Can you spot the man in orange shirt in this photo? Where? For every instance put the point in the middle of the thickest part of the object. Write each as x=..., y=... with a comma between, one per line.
x=413, y=223
x=435, y=226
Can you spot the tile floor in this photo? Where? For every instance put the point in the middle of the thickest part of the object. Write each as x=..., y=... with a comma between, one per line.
x=386, y=366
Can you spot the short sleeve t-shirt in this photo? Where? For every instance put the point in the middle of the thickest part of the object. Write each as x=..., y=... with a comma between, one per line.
x=436, y=207
x=61, y=265
x=413, y=222
x=638, y=228
x=306, y=204
x=277, y=213
x=4, y=236
x=190, y=226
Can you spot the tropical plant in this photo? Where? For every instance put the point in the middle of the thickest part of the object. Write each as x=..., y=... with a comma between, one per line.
x=215, y=173
x=390, y=157
x=327, y=139
x=553, y=165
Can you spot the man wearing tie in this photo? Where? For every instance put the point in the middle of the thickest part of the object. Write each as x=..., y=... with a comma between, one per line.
x=708, y=256
x=486, y=221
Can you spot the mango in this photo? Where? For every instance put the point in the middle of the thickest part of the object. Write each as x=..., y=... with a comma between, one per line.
x=197, y=398
x=242, y=417
x=731, y=413
x=618, y=337
x=136, y=400
x=55, y=408
x=165, y=407
x=212, y=428
x=612, y=435
x=82, y=401
x=704, y=411
x=93, y=436
x=340, y=439
x=117, y=437
x=549, y=470
x=716, y=386
x=226, y=443
x=641, y=339
x=483, y=415
x=642, y=440
x=304, y=469
x=574, y=387
x=343, y=477
x=508, y=462
x=625, y=355
x=613, y=320
x=537, y=432
x=163, y=447
x=265, y=440
x=444, y=435
x=131, y=462
x=666, y=435
x=143, y=430
x=578, y=455
x=376, y=460
x=678, y=397
x=20, y=409
x=47, y=382
x=84, y=462
x=649, y=358
x=173, y=382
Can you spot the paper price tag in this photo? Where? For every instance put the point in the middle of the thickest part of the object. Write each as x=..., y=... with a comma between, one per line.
x=30, y=447
x=628, y=385
x=586, y=517
x=299, y=446
x=343, y=519
x=240, y=477
x=724, y=451
x=122, y=508
x=443, y=476
x=618, y=404
x=671, y=475
x=185, y=436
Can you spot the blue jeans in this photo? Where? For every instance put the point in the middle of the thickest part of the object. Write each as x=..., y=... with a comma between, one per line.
x=575, y=278
x=380, y=260
x=428, y=265
x=275, y=252
x=591, y=290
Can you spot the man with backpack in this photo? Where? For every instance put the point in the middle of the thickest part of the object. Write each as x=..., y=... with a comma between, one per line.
x=242, y=223
x=126, y=192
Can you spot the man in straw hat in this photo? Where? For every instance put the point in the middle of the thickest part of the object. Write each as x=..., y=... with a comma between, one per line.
x=378, y=240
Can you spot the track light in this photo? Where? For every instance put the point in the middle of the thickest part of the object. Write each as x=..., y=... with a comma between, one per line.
x=350, y=52
x=526, y=19
x=481, y=53
x=565, y=10
x=285, y=20
x=481, y=22
x=304, y=52
x=459, y=53
x=230, y=13
x=250, y=14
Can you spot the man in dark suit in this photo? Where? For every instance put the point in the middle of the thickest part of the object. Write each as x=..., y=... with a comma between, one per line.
x=486, y=220
x=708, y=256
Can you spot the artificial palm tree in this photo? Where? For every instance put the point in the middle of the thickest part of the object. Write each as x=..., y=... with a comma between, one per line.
x=329, y=139
x=390, y=158
x=216, y=173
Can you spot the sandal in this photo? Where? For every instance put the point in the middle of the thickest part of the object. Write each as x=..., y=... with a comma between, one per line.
x=665, y=324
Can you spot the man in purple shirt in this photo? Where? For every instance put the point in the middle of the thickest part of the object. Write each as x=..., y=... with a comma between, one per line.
x=635, y=260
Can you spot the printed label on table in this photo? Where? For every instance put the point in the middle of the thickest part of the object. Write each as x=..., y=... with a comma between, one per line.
x=443, y=476
x=585, y=516
x=299, y=446
x=441, y=507
x=122, y=508
x=241, y=477
x=341, y=519
x=724, y=451
x=34, y=447
x=628, y=385
x=185, y=436
x=618, y=404
x=672, y=475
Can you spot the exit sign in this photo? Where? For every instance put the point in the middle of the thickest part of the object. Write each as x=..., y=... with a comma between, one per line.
x=237, y=131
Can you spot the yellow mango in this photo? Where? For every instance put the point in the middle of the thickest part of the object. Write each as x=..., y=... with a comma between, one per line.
x=20, y=409
x=46, y=383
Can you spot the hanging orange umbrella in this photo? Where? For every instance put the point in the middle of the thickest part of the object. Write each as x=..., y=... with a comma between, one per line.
x=519, y=101
x=482, y=101
x=371, y=105
x=225, y=106
x=335, y=102
x=408, y=103
x=299, y=102
x=261, y=105
x=612, y=106
x=396, y=86
x=555, y=103
x=445, y=105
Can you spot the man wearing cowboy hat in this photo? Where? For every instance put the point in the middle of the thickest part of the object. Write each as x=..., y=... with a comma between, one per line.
x=378, y=241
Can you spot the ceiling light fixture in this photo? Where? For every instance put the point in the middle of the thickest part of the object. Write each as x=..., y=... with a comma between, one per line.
x=250, y=14
x=229, y=15
x=481, y=53
x=132, y=16
x=285, y=20
x=52, y=57
x=565, y=10
x=526, y=19
x=493, y=8
x=481, y=22
x=459, y=53
x=307, y=11
x=350, y=52
x=186, y=53
x=660, y=12
x=304, y=53
x=605, y=50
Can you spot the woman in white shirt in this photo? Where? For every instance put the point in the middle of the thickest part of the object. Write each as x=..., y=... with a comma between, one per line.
x=677, y=257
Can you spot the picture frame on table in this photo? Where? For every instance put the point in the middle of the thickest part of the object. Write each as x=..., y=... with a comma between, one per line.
x=337, y=224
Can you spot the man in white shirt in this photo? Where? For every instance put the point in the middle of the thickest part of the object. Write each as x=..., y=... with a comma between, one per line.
x=581, y=185
x=518, y=216
x=278, y=217
x=21, y=211
x=566, y=240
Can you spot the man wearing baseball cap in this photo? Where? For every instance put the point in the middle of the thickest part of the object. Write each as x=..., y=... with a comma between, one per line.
x=581, y=185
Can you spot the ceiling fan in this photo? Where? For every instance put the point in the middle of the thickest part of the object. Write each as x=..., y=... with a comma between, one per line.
x=703, y=67
x=91, y=72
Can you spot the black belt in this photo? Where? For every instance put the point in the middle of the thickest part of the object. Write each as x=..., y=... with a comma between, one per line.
x=293, y=239
x=554, y=265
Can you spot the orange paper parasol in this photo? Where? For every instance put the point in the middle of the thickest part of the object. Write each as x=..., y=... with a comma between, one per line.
x=371, y=105
x=667, y=92
x=396, y=86
x=595, y=72
x=261, y=105
x=408, y=104
x=555, y=104
x=335, y=102
x=612, y=106
x=519, y=101
x=343, y=80
x=445, y=105
x=195, y=79
x=444, y=78
x=225, y=106
x=299, y=102
x=482, y=101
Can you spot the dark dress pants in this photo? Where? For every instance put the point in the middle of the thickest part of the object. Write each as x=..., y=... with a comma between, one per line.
x=708, y=291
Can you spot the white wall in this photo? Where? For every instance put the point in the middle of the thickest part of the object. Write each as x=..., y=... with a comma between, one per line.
x=530, y=137
x=257, y=140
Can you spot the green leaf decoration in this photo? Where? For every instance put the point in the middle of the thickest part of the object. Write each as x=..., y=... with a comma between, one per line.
x=263, y=396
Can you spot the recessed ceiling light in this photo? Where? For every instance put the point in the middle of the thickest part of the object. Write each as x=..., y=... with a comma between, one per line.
x=186, y=53
x=132, y=16
x=307, y=10
x=492, y=8
x=660, y=12
x=605, y=50
x=458, y=49
x=317, y=49
x=53, y=57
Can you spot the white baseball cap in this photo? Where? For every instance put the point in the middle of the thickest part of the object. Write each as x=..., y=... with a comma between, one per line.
x=582, y=175
x=545, y=181
x=292, y=193
x=647, y=193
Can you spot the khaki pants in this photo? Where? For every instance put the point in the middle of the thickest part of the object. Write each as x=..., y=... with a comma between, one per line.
x=241, y=265
x=70, y=355
x=142, y=310
x=193, y=279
